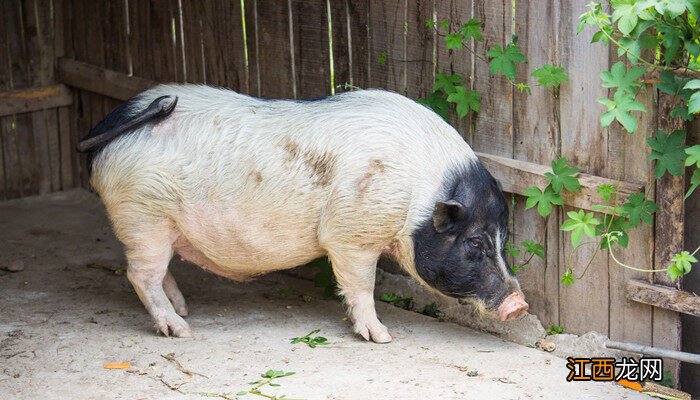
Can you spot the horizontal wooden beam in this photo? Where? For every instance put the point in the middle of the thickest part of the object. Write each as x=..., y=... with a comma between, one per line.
x=517, y=176
x=664, y=297
x=34, y=99
x=100, y=80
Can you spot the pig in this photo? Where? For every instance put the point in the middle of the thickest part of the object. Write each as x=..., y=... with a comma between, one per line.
x=243, y=186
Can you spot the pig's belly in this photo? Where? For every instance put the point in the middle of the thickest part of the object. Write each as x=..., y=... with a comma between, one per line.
x=239, y=245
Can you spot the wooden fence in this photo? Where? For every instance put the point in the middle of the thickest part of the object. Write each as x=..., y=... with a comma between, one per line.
x=301, y=48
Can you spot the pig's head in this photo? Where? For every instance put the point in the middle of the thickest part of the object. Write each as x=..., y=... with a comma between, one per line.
x=460, y=248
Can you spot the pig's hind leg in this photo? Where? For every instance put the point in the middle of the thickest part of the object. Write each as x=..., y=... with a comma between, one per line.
x=174, y=295
x=355, y=272
x=148, y=253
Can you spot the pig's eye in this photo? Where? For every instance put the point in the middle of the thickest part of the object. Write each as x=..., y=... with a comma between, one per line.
x=476, y=243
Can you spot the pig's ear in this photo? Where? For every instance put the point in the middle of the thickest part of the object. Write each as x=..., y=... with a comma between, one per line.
x=446, y=215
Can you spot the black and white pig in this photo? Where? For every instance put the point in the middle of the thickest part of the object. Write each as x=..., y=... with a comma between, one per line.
x=243, y=186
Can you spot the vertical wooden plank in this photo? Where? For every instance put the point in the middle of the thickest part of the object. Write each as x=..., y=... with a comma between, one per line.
x=493, y=133
x=668, y=233
x=456, y=61
x=341, y=43
x=65, y=150
x=253, y=47
x=223, y=44
x=359, y=42
x=275, y=65
x=584, y=305
x=311, y=47
x=628, y=161
x=194, y=47
x=419, y=49
x=388, y=47
x=21, y=78
x=141, y=39
x=6, y=184
x=536, y=136
x=40, y=56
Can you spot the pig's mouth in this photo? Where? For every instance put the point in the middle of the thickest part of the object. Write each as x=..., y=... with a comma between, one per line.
x=511, y=307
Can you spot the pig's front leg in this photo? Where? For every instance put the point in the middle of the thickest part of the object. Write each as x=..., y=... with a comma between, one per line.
x=355, y=273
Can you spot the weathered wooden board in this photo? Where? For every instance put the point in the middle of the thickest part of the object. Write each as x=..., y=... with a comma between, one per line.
x=493, y=132
x=668, y=233
x=100, y=80
x=516, y=176
x=388, y=45
x=40, y=98
x=420, y=49
x=664, y=297
x=359, y=43
x=536, y=136
x=311, y=48
x=627, y=160
x=584, y=305
x=274, y=49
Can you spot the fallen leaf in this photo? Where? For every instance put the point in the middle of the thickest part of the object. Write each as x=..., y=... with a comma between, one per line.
x=123, y=365
x=630, y=385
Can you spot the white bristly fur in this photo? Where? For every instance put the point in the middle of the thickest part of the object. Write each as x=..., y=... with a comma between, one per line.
x=244, y=186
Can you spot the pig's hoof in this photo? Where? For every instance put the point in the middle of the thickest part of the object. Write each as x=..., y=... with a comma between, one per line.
x=181, y=311
x=376, y=332
x=174, y=327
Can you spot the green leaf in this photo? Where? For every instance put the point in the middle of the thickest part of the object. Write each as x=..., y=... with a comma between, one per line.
x=693, y=154
x=670, y=8
x=504, y=60
x=382, y=57
x=437, y=101
x=544, y=200
x=634, y=46
x=671, y=41
x=669, y=152
x=671, y=84
x=694, y=103
x=606, y=191
x=580, y=223
x=618, y=77
x=563, y=176
x=681, y=264
x=465, y=100
x=523, y=87
x=242, y=393
x=454, y=40
x=682, y=113
x=446, y=82
x=694, y=183
x=472, y=30
x=431, y=23
x=619, y=109
x=615, y=227
x=511, y=250
x=550, y=75
x=693, y=7
x=533, y=248
x=625, y=14
x=568, y=278
x=637, y=209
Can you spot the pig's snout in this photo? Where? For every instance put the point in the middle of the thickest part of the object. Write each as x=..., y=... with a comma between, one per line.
x=512, y=307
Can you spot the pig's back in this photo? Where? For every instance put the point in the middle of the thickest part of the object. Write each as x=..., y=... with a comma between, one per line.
x=268, y=181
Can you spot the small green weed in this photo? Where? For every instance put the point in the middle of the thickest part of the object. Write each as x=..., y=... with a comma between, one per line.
x=398, y=301
x=432, y=310
x=268, y=379
x=309, y=340
x=555, y=329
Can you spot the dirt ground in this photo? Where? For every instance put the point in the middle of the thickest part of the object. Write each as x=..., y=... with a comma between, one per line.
x=71, y=310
